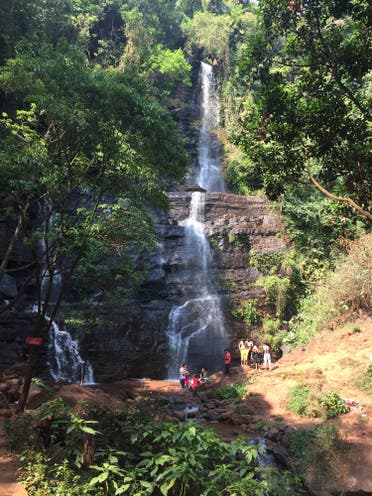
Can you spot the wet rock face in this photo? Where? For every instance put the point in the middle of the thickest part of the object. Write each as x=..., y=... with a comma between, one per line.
x=135, y=342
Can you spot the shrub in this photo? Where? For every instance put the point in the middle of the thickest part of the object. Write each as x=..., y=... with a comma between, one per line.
x=298, y=399
x=247, y=312
x=277, y=290
x=271, y=326
x=341, y=292
x=314, y=448
x=303, y=402
x=41, y=477
x=364, y=381
x=235, y=392
x=332, y=405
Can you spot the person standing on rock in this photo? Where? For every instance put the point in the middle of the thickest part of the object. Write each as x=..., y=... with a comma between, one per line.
x=182, y=375
x=243, y=353
x=256, y=356
x=227, y=361
x=249, y=346
x=267, y=357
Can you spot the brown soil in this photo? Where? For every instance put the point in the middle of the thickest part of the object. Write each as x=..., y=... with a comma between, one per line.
x=332, y=361
x=8, y=470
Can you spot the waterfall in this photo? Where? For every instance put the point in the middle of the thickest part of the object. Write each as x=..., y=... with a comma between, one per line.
x=196, y=333
x=65, y=362
x=209, y=174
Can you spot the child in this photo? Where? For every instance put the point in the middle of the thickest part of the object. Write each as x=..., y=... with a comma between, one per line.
x=194, y=384
x=256, y=356
x=203, y=376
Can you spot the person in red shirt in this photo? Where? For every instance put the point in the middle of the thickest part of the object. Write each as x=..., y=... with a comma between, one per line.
x=194, y=384
x=227, y=361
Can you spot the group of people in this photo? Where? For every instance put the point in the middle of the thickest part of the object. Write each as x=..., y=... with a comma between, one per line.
x=191, y=383
x=250, y=354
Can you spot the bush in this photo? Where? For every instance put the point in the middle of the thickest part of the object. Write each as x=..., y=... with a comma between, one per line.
x=341, y=292
x=364, y=381
x=235, y=392
x=152, y=459
x=303, y=402
x=299, y=399
x=42, y=477
x=247, y=312
x=314, y=448
x=332, y=405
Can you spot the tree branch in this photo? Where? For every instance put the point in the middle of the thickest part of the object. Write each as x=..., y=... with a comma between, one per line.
x=13, y=241
x=327, y=193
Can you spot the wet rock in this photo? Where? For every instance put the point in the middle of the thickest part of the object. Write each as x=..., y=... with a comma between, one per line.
x=8, y=286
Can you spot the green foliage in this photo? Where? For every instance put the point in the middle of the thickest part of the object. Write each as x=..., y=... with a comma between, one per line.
x=302, y=400
x=306, y=85
x=236, y=392
x=277, y=289
x=345, y=289
x=281, y=277
x=332, y=404
x=208, y=32
x=314, y=448
x=247, y=312
x=81, y=148
x=42, y=477
x=165, y=67
x=299, y=399
x=137, y=457
x=271, y=326
x=364, y=381
x=44, y=387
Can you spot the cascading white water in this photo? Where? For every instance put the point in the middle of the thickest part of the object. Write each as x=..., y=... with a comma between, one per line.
x=209, y=175
x=65, y=361
x=196, y=333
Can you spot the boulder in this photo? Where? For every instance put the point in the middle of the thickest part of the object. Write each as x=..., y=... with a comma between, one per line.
x=36, y=396
x=8, y=287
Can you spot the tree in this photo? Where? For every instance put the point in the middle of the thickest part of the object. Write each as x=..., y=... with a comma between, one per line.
x=308, y=74
x=80, y=164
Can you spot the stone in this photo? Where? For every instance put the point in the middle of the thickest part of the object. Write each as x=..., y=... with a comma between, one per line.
x=8, y=286
x=5, y=412
x=36, y=396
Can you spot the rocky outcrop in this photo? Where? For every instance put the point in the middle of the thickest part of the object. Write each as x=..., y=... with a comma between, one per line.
x=135, y=343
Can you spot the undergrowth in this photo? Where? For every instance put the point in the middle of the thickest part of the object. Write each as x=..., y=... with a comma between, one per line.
x=304, y=402
x=234, y=392
x=340, y=293
x=123, y=452
x=314, y=448
x=364, y=381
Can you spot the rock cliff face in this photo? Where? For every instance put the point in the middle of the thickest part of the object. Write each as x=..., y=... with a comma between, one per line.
x=135, y=343
x=130, y=339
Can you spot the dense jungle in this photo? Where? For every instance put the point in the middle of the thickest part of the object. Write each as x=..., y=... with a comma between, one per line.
x=177, y=177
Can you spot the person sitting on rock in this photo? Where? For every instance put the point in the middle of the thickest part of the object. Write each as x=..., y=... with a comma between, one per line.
x=203, y=376
x=194, y=384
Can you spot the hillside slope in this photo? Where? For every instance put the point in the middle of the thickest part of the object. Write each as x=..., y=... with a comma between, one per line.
x=334, y=361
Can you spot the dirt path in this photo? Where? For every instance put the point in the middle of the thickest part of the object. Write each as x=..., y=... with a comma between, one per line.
x=8, y=470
